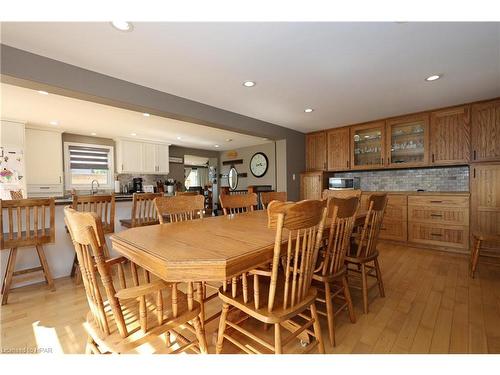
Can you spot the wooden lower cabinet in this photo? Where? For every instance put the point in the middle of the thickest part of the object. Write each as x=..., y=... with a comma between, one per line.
x=394, y=225
x=485, y=202
x=439, y=220
x=441, y=235
x=311, y=185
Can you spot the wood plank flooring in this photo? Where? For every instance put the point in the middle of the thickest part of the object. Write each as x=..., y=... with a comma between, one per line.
x=431, y=306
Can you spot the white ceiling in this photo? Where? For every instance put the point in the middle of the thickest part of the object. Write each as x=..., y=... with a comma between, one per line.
x=82, y=117
x=347, y=72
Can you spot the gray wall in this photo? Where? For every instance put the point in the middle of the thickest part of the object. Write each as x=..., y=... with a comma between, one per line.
x=26, y=69
x=177, y=170
x=429, y=179
x=246, y=154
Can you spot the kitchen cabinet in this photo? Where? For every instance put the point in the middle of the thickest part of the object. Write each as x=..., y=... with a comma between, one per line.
x=44, y=163
x=394, y=224
x=338, y=155
x=141, y=157
x=439, y=220
x=316, y=151
x=368, y=145
x=485, y=201
x=450, y=136
x=311, y=185
x=486, y=131
x=407, y=141
x=12, y=134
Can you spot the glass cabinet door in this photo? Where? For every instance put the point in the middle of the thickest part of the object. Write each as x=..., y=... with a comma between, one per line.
x=407, y=141
x=367, y=146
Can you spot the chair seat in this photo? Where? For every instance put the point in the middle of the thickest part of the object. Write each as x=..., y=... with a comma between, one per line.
x=278, y=314
x=127, y=223
x=330, y=278
x=138, y=341
x=361, y=260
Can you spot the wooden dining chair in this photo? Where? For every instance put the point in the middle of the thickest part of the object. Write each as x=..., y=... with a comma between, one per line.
x=327, y=193
x=478, y=239
x=104, y=207
x=267, y=196
x=238, y=203
x=138, y=319
x=331, y=272
x=277, y=296
x=187, y=193
x=362, y=260
x=29, y=223
x=179, y=208
x=143, y=211
x=183, y=208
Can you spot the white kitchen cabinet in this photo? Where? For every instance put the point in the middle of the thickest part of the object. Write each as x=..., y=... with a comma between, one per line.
x=44, y=163
x=129, y=156
x=141, y=157
x=162, y=162
x=149, y=158
x=12, y=134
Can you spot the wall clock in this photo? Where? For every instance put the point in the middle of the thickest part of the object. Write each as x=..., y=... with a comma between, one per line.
x=259, y=164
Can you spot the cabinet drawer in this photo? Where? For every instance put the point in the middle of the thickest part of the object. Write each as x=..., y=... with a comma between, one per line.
x=49, y=190
x=438, y=200
x=393, y=230
x=440, y=215
x=454, y=236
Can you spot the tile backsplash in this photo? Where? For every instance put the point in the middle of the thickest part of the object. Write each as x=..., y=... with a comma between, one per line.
x=147, y=179
x=428, y=179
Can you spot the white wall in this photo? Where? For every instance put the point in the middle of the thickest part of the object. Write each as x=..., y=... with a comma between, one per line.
x=246, y=154
x=59, y=254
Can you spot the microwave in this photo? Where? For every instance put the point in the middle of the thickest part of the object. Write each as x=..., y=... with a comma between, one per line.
x=338, y=183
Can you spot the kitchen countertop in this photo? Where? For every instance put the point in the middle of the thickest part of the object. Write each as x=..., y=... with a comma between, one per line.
x=118, y=198
x=411, y=192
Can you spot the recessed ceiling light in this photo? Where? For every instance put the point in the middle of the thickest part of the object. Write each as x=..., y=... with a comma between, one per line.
x=145, y=114
x=43, y=92
x=54, y=122
x=216, y=146
x=93, y=133
x=133, y=134
x=249, y=83
x=433, y=77
x=308, y=110
x=179, y=138
x=122, y=25
x=265, y=139
x=229, y=140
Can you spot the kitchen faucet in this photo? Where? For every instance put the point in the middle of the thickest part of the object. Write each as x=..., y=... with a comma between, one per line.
x=92, y=187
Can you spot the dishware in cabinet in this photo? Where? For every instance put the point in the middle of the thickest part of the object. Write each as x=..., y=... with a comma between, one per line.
x=408, y=141
x=368, y=145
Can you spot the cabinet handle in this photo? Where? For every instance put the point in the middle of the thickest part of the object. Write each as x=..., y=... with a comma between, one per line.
x=474, y=172
x=436, y=234
x=383, y=228
x=122, y=167
x=437, y=215
x=433, y=158
x=436, y=201
x=382, y=161
x=388, y=160
x=44, y=187
x=60, y=179
x=474, y=155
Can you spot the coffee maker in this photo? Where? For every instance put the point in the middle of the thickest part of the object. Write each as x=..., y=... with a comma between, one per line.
x=137, y=185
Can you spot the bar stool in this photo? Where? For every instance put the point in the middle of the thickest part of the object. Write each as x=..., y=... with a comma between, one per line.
x=143, y=211
x=478, y=239
x=30, y=223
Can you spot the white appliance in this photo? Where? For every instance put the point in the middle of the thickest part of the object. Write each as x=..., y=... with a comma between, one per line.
x=11, y=171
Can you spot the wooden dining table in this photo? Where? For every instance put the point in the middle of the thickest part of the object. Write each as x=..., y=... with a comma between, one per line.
x=209, y=249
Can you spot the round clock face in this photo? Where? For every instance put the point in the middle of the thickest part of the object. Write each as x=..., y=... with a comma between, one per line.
x=259, y=164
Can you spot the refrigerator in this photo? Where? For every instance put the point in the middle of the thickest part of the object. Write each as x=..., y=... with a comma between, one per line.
x=11, y=171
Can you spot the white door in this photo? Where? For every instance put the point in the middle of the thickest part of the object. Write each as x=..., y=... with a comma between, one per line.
x=131, y=156
x=149, y=164
x=44, y=157
x=162, y=159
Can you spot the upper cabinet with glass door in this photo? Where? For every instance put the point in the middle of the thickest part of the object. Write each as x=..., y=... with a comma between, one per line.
x=408, y=141
x=367, y=145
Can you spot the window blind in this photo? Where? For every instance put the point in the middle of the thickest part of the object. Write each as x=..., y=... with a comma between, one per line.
x=82, y=157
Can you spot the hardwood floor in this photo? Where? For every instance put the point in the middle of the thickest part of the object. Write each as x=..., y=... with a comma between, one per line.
x=431, y=306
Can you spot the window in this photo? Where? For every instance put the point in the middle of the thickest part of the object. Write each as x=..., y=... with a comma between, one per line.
x=87, y=162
